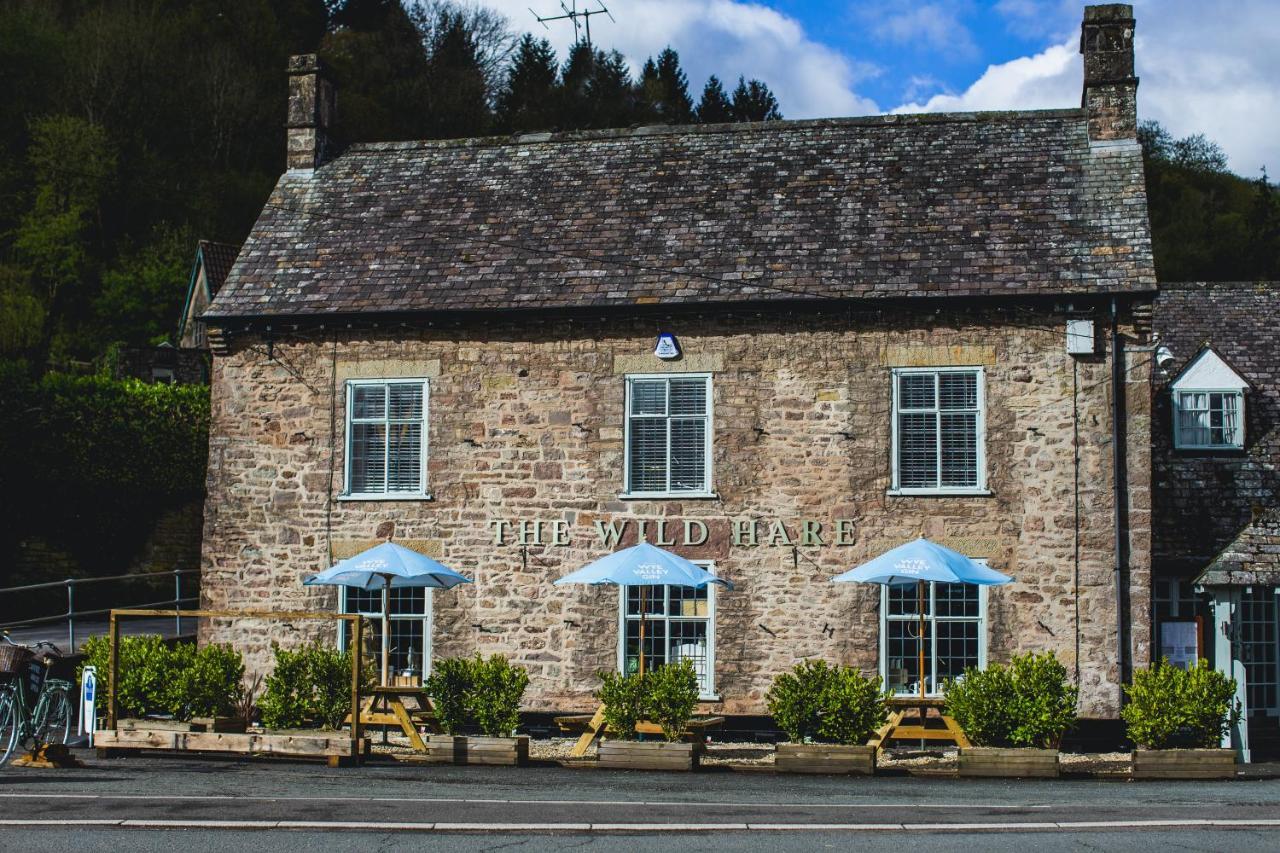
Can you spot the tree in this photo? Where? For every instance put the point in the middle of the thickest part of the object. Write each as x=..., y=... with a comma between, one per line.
x=714, y=108
x=664, y=90
x=752, y=101
x=143, y=291
x=458, y=96
x=527, y=101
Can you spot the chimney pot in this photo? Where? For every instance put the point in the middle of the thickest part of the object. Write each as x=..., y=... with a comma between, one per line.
x=310, y=113
x=1110, y=88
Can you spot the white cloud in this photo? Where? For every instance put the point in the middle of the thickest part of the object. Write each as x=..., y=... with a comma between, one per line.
x=1203, y=69
x=726, y=38
x=935, y=26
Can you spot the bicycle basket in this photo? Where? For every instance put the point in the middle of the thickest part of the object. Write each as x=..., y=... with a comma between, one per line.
x=13, y=659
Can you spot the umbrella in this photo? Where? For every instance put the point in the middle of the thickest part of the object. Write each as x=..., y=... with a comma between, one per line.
x=917, y=563
x=382, y=567
x=643, y=565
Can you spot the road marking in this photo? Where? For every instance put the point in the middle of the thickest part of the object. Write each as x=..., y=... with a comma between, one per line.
x=377, y=826
x=703, y=804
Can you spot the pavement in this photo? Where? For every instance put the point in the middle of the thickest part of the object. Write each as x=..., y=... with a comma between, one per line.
x=160, y=803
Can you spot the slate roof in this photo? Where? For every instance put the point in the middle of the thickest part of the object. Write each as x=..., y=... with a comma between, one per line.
x=1253, y=557
x=218, y=259
x=1202, y=501
x=981, y=204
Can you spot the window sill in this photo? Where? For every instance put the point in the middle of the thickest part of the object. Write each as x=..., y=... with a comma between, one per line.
x=1208, y=448
x=709, y=697
x=666, y=496
x=939, y=493
x=404, y=496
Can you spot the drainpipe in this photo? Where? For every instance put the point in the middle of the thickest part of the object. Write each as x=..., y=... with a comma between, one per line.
x=1119, y=480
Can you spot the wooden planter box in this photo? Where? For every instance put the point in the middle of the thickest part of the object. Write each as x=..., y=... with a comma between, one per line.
x=335, y=747
x=1018, y=763
x=825, y=758
x=196, y=724
x=1184, y=764
x=469, y=749
x=649, y=755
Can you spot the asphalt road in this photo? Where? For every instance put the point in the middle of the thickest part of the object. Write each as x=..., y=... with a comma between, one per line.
x=165, y=803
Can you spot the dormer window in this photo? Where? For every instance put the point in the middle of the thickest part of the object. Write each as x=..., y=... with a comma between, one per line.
x=1208, y=405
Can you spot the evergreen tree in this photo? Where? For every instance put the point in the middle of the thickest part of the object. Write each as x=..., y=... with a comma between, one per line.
x=458, y=98
x=714, y=108
x=752, y=101
x=663, y=91
x=572, y=103
x=527, y=100
x=611, y=97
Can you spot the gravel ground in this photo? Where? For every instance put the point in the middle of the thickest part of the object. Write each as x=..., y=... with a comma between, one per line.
x=749, y=754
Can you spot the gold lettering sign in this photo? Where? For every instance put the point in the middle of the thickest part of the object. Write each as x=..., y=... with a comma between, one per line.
x=668, y=532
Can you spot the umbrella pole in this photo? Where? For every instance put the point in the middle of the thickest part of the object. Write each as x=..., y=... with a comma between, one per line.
x=386, y=628
x=920, y=641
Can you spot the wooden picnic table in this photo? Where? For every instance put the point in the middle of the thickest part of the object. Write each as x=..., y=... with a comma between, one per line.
x=592, y=726
x=386, y=706
x=900, y=708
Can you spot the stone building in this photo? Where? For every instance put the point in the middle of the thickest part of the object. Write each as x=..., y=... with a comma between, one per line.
x=1216, y=501
x=778, y=348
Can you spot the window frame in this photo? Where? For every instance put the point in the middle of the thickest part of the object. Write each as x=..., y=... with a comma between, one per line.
x=423, y=493
x=1178, y=443
x=706, y=692
x=708, y=489
x=932, y=620
x=373, y=622
x=980, y=487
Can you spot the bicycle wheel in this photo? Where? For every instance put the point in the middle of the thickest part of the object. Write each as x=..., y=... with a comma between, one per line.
x=51, y=722
x=10, y=722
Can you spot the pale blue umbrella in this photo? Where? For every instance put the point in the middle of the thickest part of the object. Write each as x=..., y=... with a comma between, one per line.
x=643, y=565
x=382, y=567
x=917, y=563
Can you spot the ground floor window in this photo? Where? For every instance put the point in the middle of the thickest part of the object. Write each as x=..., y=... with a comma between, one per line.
x=679, y=624
x=954, y=635
x=410, y=629
x=1259, y=650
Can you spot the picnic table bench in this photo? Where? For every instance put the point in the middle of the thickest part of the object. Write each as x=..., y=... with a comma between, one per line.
x=897, y=726
x=592, y=726
x=386, y=706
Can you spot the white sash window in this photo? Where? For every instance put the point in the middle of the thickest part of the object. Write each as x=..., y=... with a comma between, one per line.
x=679, y=624
x=668, y=436
x=1209, y=420
x=938, y=431
x=386, y=446
x=954, y=635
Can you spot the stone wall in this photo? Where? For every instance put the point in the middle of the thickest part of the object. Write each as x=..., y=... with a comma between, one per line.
x=526, y=422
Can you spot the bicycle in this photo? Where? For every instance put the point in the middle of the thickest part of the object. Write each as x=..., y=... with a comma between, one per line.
x=24, y=671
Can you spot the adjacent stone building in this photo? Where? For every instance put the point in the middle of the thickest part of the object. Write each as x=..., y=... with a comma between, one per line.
x=1216, y=501
x=778, y=348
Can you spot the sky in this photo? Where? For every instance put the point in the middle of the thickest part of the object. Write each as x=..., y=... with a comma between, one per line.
x=1206, y=66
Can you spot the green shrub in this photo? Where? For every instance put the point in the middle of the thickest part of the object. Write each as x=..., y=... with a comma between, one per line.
x=146, y=673
x=795, y=699
x=853, y=706
x=179, y=680
x=624, y=699
x=1044, y=703
x=1169, y=706
x=980, y=701
x=207, y=682
x=309, y=686
x=1028, y=703
x=671, y=692
x=817, y=701
x=496, y=690
x=449, y=687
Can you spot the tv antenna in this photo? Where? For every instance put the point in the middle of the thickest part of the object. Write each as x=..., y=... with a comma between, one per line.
x=581, y=18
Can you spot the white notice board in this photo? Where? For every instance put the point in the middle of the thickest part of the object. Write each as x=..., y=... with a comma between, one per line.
x=1180, y=642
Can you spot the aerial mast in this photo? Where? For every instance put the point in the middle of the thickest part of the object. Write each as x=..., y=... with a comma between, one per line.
x=580, y=18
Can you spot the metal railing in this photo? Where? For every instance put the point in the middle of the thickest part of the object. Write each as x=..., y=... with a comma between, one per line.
x=71, y=584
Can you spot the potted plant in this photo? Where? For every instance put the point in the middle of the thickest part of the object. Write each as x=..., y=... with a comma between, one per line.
x=827, y=713
x=483, y=693
x=1014, y=716
x=666, y=696
x=1178, y=718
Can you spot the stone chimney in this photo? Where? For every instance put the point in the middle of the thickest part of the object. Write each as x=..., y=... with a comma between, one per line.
x=1110, y=89
x=310, y=113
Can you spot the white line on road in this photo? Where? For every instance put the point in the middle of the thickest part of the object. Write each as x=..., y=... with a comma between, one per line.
x=377, y=826
x=702, y=804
